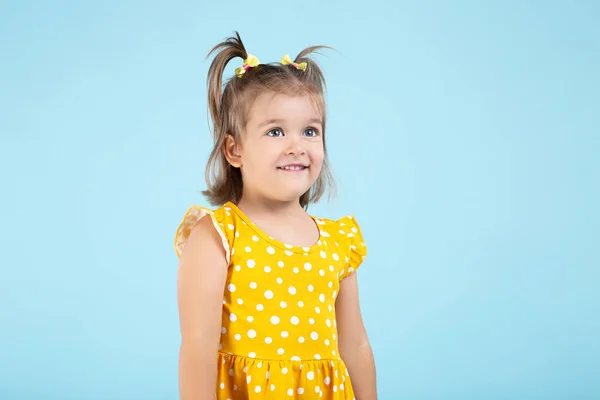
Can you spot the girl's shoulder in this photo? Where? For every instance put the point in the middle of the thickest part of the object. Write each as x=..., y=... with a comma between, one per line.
x=222, y=220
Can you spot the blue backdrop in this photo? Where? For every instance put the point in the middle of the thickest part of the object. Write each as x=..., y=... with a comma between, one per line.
x=464, y=136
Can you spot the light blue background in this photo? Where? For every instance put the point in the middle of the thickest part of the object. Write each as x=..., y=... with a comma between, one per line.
x=464, y=136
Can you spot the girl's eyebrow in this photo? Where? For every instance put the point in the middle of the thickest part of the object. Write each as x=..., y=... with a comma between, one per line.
x=279, y=121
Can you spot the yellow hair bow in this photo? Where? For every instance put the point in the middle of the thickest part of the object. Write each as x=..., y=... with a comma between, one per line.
x=286, y=60
x=249, y=62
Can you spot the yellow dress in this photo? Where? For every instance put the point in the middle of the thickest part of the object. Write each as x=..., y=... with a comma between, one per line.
x=279, y=336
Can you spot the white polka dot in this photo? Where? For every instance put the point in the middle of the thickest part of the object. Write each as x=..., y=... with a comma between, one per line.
x=296, y=358
x=279, y=280
x=289, y=253
x=268, y=340
x=301, y=339
x=296, y=270
x=283, y=304
x=251, y=333
x=317, y=389
x=269, y=294
x=249, y=379
x=280, y=351
x=233, y=317
x=300, y=390
x=317, y=356
x=330, y=308
x=317, y=310
x=267, y=269
x=328, y=323
x=322, y=298
x=280, y=264
x=322, y=273
x=311, y=288
x=311, y=321
x=335, y=256
x=260, y=307
x=253, y=285
x=251, y=263
x=323, y=254
x=290, y=392
x=327, y=342
x=307, y=266
x=252, y=354
x=300, y=304
x=292, y=290
x=250, y=318
x=248, y=249
x=231, y=287
x=231, y=227
x=222, y=385
x=295, y=320
x=341, y=386
x=310, y=375
x=331, y=268
x=327, y=380
x=272, y=387
x=274, y=320
x=231, y=372
x=257, y=389
x=330, y=284
x=284, y=370
x=270, y=250
x=240, y=301
x=255, y=238
x=314, y=335
x=238, y=336
x=238, y=268
x=223, y=330
x=284, y=334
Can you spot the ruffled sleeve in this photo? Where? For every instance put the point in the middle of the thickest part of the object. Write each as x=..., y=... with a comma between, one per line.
x=356, y=248
x=193, y=215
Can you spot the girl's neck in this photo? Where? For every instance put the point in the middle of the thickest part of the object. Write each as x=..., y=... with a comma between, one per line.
x=252, y=206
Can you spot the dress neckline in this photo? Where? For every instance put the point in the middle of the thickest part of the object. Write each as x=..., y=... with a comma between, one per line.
x=291, y=248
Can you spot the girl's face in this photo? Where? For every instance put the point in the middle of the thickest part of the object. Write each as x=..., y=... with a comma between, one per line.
x=281, y=152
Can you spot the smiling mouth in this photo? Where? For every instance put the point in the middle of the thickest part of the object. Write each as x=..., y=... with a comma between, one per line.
x=293, y=167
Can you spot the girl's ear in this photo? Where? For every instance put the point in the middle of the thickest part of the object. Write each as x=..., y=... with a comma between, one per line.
x=231, y=150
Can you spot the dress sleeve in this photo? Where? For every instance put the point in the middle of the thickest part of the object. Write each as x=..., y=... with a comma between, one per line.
x=356, y=250
x=193, y=215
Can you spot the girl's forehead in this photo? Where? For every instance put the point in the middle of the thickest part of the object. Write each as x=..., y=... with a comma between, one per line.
x=270, y=105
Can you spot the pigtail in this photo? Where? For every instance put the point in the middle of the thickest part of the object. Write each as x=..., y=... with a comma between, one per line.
x=229, y=49
x=313, y=73
x=223, y=181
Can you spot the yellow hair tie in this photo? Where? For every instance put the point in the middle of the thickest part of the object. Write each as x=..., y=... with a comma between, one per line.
x=249, y=62
x=286, y=60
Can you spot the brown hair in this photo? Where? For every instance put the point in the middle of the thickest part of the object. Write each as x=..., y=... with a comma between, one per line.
x=229, y=108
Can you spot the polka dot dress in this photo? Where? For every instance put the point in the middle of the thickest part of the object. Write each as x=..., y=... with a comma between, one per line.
x=278, y=336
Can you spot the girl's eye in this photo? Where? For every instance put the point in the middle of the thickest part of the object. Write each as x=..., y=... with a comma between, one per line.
x=311, y=132
x=275, y=132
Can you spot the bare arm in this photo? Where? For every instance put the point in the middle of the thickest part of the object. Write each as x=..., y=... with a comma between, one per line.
x=355, y=349
x=201, y=282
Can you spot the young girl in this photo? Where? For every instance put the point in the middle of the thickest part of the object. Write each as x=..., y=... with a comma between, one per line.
x=267, y=294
